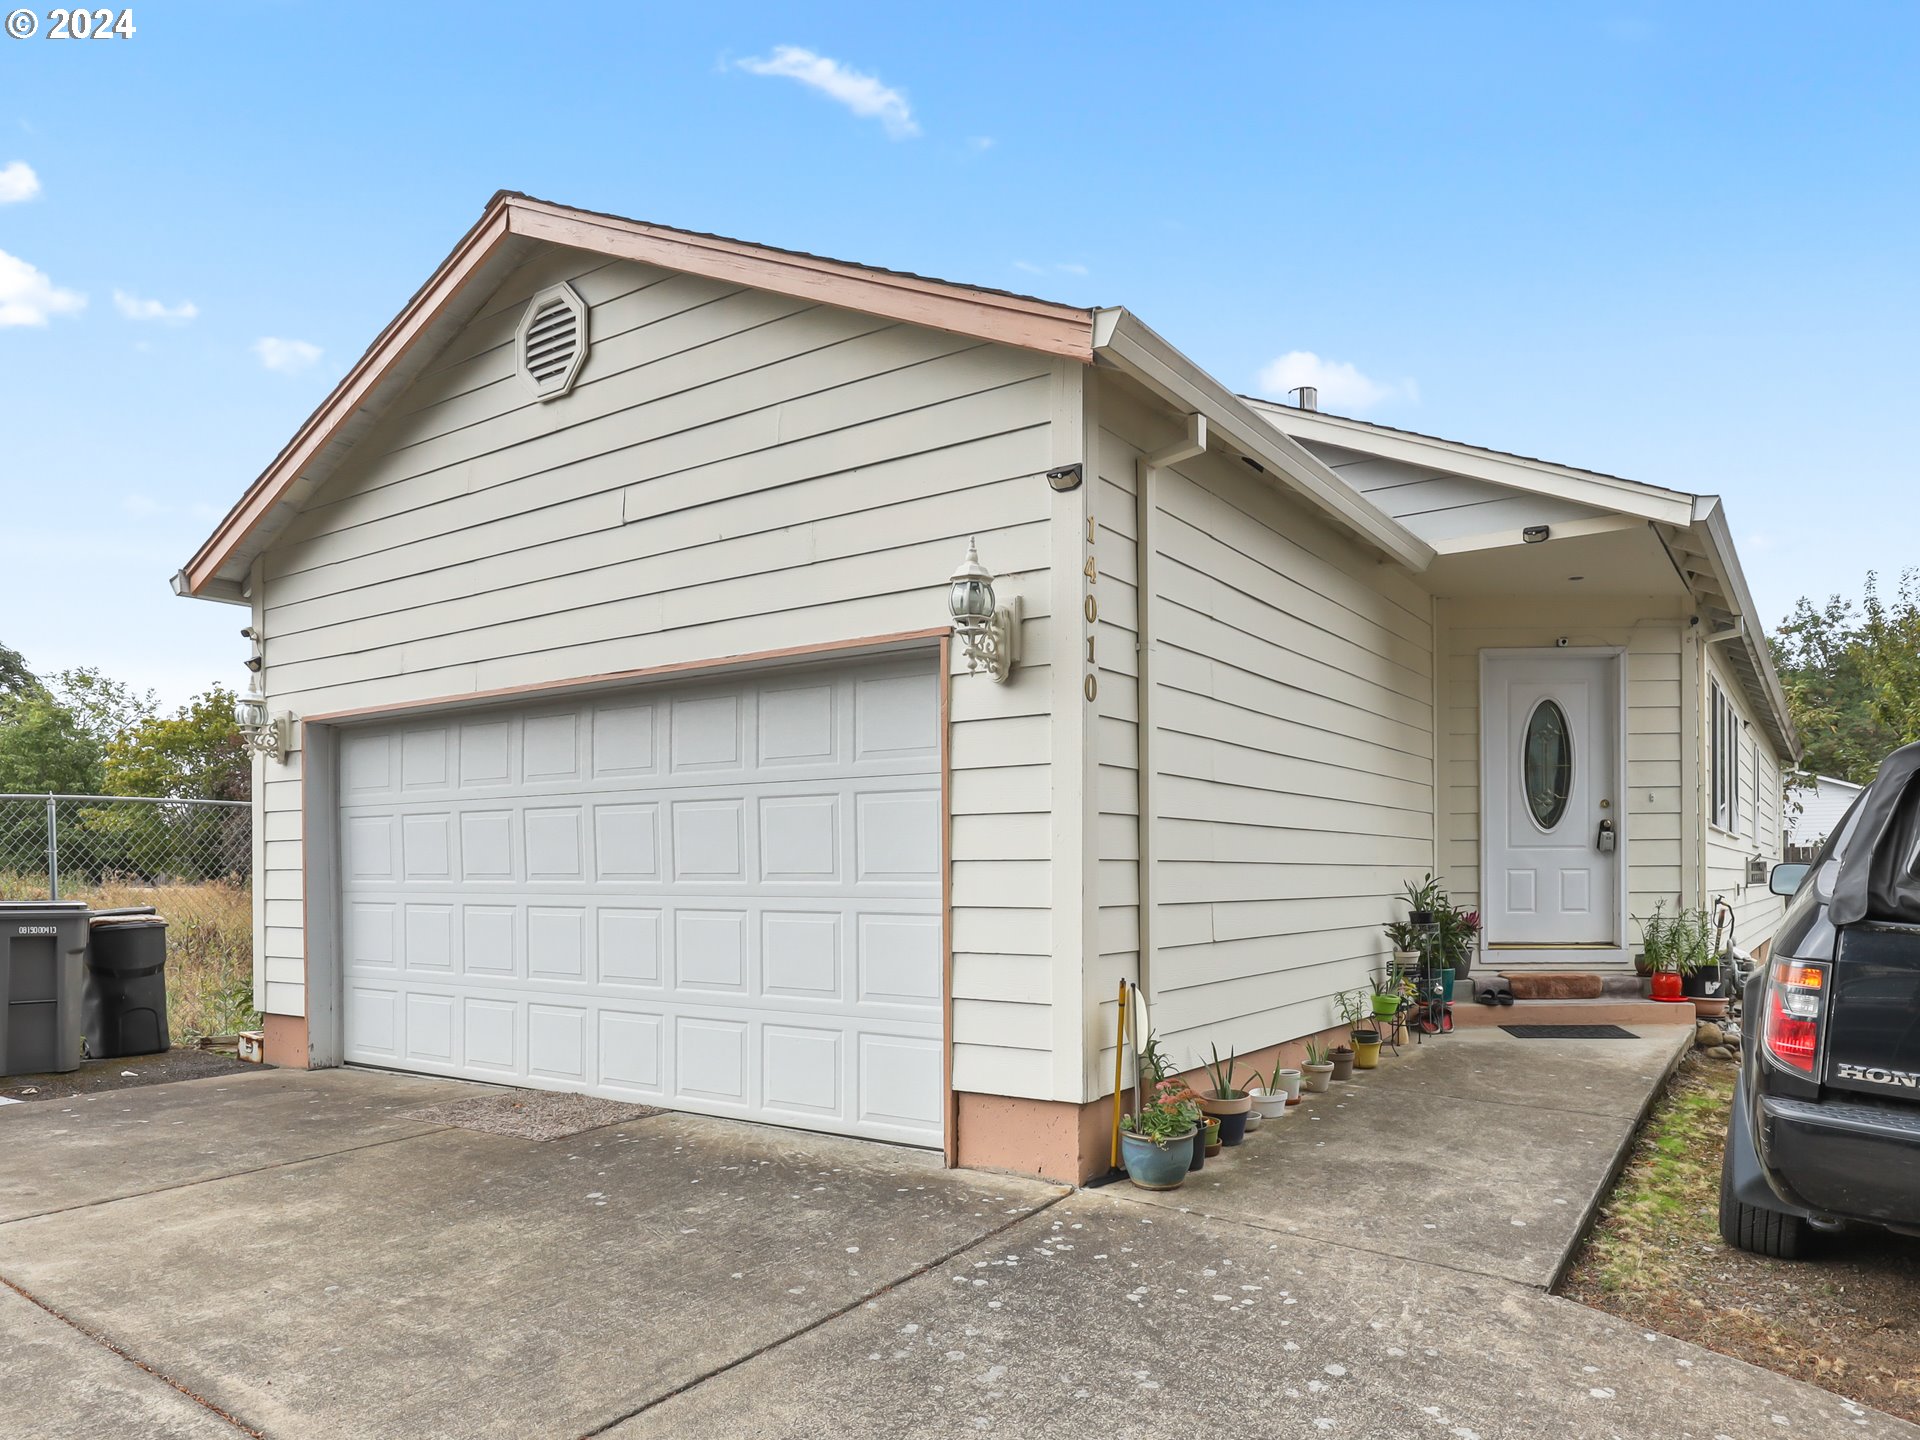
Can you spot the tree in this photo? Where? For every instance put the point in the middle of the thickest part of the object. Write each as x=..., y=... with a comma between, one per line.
x=44, y=747
x=1852, y=677
x=197, y=753
x=106, y=709
x=15, y=677
x=1890, y=661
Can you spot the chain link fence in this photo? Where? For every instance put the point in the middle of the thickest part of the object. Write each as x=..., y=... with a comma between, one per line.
x=192, y=860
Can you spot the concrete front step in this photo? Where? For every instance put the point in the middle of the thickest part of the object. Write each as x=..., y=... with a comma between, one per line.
x=1605, y=1011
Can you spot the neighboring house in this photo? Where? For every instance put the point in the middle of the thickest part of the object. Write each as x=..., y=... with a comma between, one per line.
x=631, y=749
x=1815, y=804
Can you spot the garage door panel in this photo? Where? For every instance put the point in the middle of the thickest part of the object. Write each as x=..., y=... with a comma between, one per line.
x=630, y=951
x=555, y=847
x=706, y=734
x=710, y=1061
x=557, y=1041
x=623, y=742
x=486, y=755
x=489, y=944
x=710, y=952
x=801, y=956
x=633, y=1052
x=798, y=726
x=721, y=897
x=426, y=932
x=626, y=842
x=491, y=1036
x=556, y=943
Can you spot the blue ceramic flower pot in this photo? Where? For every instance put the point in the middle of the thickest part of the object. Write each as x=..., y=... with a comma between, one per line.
x=1157, y=1167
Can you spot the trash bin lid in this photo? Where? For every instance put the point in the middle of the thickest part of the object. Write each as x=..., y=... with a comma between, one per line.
x=64, y=906
x=126, y=922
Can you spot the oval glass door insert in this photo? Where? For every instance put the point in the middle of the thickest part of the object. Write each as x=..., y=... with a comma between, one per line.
x=1546, y=763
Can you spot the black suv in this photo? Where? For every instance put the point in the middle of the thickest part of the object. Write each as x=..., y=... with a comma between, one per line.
x=1826, y=1118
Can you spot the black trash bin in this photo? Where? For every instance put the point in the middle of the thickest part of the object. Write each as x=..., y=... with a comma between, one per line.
x=125, y=1007
x=43, y=945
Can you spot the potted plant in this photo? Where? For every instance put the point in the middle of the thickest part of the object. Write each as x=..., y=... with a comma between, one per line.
x=1353, y=1009
x=1406, y=939
x=1226, y=1104
x=1673, y=947
x=1156, y=1144
x=1269, y=1097
x=1387, y=994
x=1366, y=1049
x=1211, y=1130
x=1288, y=1079
x=1318, y=1071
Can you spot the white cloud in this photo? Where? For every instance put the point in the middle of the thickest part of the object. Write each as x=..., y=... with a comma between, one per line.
x=864, y=95
x=1342, y=386
x=18, y=182
x=980, y=142
x=28, y=297
x=1059, y=268
x=289, y=357
x=134, y=308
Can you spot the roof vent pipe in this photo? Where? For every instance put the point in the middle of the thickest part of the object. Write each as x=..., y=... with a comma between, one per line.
x=1309, y=396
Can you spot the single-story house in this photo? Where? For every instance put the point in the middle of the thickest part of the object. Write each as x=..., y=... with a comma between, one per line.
x=624, y=740
x=1815, y=805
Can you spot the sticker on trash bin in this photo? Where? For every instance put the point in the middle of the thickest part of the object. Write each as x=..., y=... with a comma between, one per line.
x=38, y=930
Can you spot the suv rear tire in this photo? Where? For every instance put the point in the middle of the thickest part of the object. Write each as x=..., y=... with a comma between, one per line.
x=1763, y=1232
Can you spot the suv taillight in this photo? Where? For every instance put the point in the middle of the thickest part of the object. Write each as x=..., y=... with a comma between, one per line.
x=1795, y=999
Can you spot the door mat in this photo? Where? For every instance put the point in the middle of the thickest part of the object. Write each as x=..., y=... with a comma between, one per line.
x=530, y=1114
x=1569, y=1032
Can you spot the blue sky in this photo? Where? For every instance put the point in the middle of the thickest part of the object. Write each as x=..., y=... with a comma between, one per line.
x=1673, y=243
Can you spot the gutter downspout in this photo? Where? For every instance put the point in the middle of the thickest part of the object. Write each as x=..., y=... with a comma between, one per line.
x=1146, y=487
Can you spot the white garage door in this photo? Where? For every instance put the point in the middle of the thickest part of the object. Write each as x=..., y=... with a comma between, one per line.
x=714, y=897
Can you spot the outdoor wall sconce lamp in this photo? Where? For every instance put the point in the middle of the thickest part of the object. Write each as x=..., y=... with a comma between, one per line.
x=989, y=636
x=264, y=734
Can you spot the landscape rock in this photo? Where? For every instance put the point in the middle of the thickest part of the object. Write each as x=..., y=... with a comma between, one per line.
x=1708, y=1035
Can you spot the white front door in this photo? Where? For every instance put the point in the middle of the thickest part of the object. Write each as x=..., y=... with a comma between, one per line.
x=1550, y=799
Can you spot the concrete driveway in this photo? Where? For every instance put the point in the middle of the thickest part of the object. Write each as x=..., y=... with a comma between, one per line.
x=292, y=1255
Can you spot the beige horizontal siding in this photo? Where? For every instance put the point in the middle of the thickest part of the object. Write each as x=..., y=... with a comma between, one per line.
x=1294, y=748
x=734, y=472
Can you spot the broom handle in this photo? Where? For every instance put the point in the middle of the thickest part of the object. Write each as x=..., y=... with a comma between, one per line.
x=1119, y=1060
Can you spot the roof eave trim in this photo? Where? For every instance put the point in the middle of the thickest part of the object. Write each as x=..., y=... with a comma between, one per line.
x=1121, y=339
x=1060, y=330
x=320, y=427
x=1711, y=517
x=1025, y=324
x=1627, y=497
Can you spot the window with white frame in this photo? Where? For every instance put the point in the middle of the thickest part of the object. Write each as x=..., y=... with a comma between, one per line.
x=1725, y=760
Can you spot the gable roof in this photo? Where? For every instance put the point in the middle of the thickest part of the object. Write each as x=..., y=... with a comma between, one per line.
x=1692, y=528
x=514, y=225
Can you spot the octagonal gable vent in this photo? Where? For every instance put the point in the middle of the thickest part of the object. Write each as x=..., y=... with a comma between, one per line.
x=552, y=340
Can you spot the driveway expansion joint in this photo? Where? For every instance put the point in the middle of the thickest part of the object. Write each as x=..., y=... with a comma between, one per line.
x=1027, y=1213
x=122, y=1353
x=287, y=1164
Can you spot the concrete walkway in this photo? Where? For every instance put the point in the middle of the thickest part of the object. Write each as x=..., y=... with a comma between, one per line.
x=293, y=1252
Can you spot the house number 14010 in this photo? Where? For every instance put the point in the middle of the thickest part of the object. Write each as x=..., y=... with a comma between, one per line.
x=1091, y=685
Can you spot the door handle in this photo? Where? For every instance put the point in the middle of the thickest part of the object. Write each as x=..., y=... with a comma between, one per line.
x=1604, y=841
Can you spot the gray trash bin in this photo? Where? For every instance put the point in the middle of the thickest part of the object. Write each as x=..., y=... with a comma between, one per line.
x=124, y=1009
x=43, y=966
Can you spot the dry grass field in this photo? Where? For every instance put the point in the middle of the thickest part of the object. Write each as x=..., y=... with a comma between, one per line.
x=209, y=946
